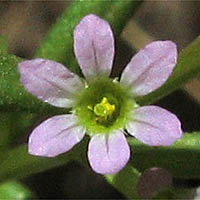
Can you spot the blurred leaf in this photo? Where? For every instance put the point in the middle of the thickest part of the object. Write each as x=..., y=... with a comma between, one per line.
x=4, y=131
x=187, y=68
x=12, y=127
x=14, y=190
x=125, y=181
x=58, y=44
x=181, y=159
x=3, y=43
x=175, y=193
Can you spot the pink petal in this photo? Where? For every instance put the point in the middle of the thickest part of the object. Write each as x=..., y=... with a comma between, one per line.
x=55, y=136
x=155, y=126
x=94, y=46
x=49, y=81
x=108, y=154
x=150, y=67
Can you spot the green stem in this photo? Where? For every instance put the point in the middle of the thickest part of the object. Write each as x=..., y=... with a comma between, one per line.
x=126, y=182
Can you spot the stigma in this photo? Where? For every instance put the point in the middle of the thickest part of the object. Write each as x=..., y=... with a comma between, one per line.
x=103, y=109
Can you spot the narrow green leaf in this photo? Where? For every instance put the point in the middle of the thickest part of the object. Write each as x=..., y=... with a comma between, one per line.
x=15, y=190
x=187, y=68
x=126, y=182
x=58, y=44
x=181, y=159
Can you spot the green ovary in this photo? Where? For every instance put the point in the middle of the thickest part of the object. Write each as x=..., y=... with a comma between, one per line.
x=103, y=106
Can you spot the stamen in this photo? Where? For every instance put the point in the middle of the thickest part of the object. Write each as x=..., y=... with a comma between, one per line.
x=104, y=108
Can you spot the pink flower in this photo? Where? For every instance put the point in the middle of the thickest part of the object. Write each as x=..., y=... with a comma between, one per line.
x=101, y=107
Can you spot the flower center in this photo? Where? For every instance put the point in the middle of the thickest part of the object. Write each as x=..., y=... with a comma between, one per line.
x=103, y=110
x=103, y=106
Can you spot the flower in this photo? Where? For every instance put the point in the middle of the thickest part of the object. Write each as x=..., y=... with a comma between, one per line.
x=101, y=107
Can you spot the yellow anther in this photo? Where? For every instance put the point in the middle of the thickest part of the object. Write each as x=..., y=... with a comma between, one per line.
x=104, y=108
